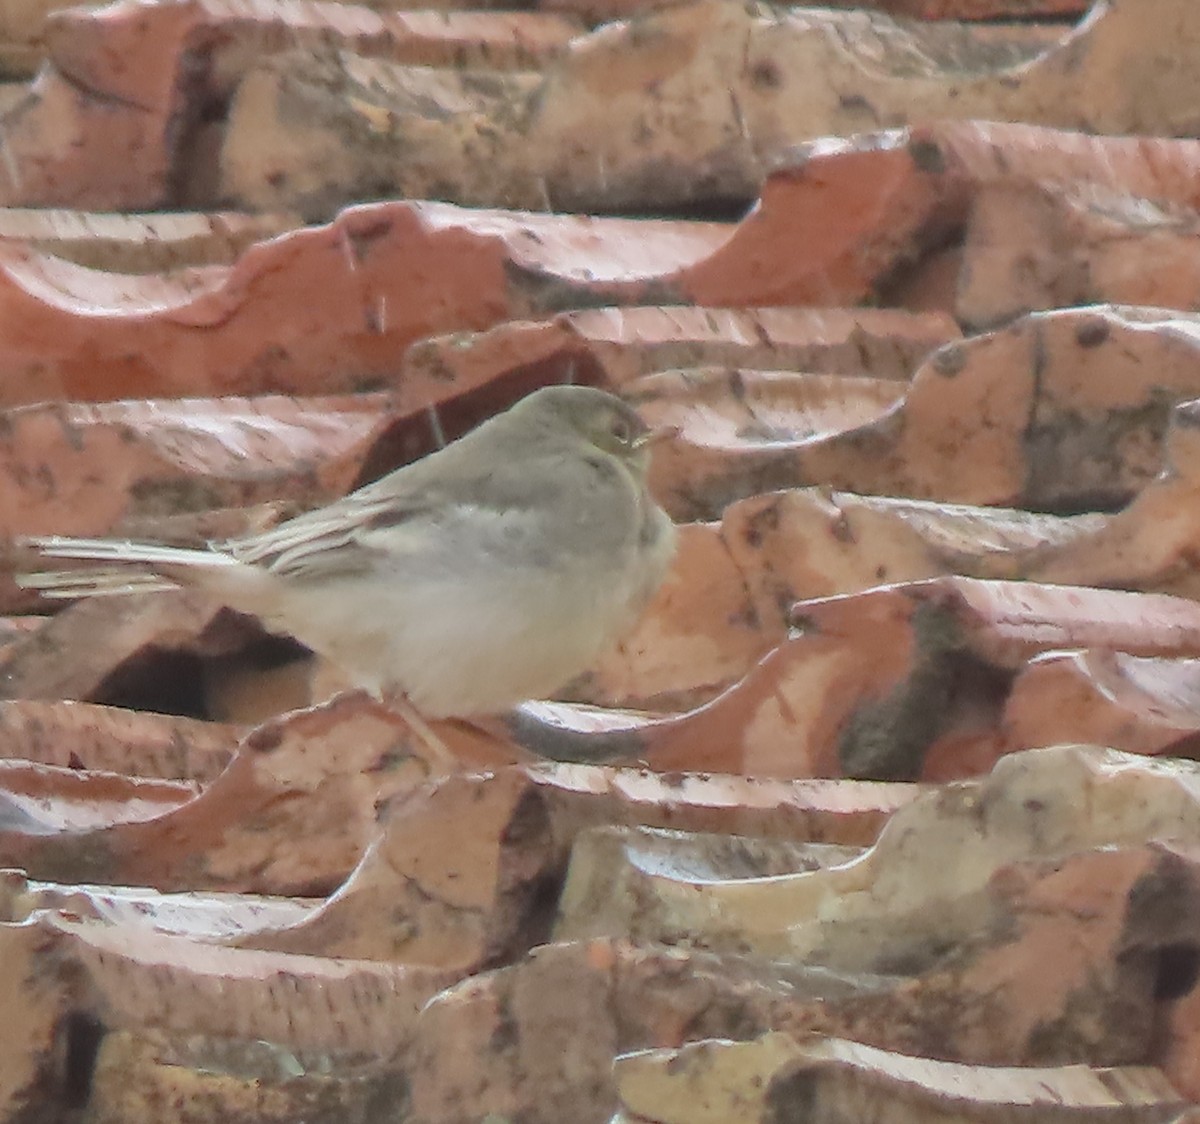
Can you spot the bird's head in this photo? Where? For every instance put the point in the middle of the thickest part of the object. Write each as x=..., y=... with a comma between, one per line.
x=603, y=420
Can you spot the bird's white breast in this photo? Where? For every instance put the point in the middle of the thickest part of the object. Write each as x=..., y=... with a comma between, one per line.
x=461, y=647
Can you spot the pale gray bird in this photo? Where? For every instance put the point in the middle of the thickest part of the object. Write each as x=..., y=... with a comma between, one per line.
x=491, y=572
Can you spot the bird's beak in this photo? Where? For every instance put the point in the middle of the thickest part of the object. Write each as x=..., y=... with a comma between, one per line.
x=661, y=433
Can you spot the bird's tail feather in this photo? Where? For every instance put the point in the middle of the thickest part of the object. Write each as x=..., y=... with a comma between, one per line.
x=64, y=584
x=119, y=551
x=132, y=567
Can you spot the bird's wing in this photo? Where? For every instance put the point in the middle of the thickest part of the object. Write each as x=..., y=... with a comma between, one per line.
x=402, y=513
x=330, y=539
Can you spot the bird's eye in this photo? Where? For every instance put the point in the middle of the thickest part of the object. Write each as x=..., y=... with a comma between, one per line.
x=621, y=430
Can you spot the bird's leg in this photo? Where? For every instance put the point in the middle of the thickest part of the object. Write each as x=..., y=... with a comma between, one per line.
x=400, y=703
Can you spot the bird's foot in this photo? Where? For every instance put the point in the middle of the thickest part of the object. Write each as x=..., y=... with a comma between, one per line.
x=396, y=705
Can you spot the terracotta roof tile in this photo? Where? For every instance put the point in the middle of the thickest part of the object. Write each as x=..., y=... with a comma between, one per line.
x=931, y=357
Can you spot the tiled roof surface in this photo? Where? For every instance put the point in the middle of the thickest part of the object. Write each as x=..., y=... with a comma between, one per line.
x=888, y=807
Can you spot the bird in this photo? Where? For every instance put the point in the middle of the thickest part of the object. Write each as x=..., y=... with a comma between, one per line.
x=490, y=572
